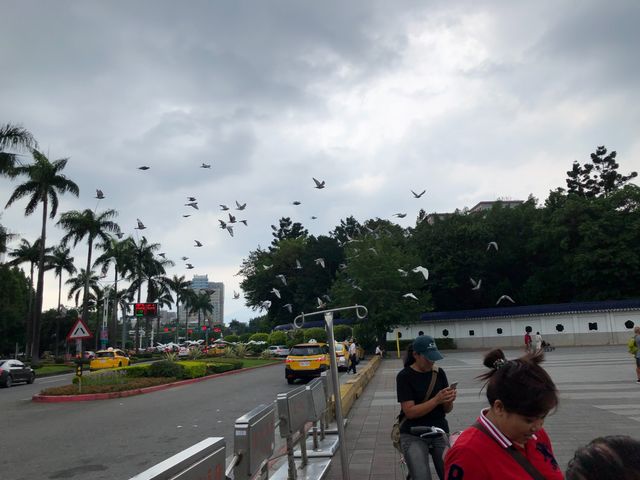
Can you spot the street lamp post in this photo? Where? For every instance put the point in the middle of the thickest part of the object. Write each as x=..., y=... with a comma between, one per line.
x=62, y=312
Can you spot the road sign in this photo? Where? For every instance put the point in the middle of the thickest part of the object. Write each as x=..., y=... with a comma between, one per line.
x=79, y=331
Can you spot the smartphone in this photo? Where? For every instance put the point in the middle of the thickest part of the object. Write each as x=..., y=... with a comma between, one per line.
x=454, y=385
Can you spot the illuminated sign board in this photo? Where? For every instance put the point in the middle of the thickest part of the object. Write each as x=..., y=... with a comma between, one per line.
x=145, y=309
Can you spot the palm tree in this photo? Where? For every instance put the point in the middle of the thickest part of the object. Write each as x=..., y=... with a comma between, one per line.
x=120, y=254
x=60, y=261
x=78, y=283
x=180, y=286
x=27, y=253
x=13, y=137
x=93, y=226
x=44, y=183
x=202, y=304
x=5, y=237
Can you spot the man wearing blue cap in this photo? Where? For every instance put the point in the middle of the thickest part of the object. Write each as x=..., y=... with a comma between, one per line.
x=425, y=398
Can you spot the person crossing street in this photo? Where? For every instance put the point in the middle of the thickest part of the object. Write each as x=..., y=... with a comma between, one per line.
x=353, y=356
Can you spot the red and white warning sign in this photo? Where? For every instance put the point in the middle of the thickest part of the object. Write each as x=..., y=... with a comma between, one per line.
x=79, y=331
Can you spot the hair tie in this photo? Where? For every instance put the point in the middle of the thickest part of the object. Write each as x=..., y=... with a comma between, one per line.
x=498, y=364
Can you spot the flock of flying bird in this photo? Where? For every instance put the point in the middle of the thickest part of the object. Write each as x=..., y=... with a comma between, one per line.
x=321, y=301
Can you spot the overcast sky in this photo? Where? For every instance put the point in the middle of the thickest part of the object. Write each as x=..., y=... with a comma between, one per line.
x=468, y=100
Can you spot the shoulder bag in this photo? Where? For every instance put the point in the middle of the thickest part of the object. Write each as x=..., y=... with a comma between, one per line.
x=395, y=430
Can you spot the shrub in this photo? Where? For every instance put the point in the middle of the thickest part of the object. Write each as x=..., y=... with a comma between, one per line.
x=244, y=337
x=106, y=377
x=194, y=369
x=446, y=344
x=259, y=337
x=266, y=354
x=240, y=349
x=132, y=384
x=219, y=368
x=317, y=333
x=295, y=336
x=195, y=353
x=59, y=360
x=171, y=356
x=137, y=371
x=232, y=338
x=342, y=333
x=164, y=368
x=230, y=351
x=277, y=337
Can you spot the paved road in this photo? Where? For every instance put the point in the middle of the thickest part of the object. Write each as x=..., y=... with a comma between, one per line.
x=116, y=439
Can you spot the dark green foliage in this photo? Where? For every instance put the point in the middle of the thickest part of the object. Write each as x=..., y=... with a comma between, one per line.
x=14, y=300
x=232, y=338
x=277, y=337
x=598, y=177
x=137, y=371
x=259, y=337
x=193, y=369
x=317, y=333
x=342, y=332
x=219, y=367
x=165, y=368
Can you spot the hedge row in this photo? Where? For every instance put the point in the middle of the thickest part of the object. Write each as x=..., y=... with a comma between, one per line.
x=441, y=343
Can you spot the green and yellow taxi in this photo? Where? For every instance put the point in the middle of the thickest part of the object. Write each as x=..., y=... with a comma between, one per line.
x=306, y=360
x=109, y=358
x=342, y=355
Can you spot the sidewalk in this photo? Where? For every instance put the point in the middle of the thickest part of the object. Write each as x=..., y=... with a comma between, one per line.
x=371, y=454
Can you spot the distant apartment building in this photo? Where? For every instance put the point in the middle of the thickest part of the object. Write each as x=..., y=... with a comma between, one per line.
x=201, y=283
x=479, y=207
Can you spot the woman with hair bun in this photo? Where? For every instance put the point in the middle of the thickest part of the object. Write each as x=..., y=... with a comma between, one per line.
x=507, y=441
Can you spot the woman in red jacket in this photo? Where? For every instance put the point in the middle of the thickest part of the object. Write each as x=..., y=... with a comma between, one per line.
x=507, y=442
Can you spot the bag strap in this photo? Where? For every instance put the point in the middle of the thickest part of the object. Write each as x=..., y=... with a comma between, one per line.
x=432, y=384
x=515, y=454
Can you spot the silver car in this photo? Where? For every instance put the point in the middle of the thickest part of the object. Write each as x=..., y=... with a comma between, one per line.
x=278, y=350
x=12, y=371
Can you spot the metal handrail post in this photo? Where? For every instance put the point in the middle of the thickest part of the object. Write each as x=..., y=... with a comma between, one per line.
x=344, y=458
x=291, y=463
x=303, y=448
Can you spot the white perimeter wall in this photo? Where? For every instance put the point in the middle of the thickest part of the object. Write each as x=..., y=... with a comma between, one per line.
x=611, y=329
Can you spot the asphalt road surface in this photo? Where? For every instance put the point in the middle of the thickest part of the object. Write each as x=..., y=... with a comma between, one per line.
x=119, y=438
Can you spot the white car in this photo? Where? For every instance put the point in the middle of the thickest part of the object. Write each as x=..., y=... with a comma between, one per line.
x=278, y=350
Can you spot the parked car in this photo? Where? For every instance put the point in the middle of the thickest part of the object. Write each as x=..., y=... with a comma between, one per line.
x=342, y=356
x=306, y=360
x=12, y=371
x=88, y=354
x=110, y=358
x=278, y=350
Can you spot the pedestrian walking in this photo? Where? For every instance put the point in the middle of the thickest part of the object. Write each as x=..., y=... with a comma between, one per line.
x=353, y=356
x=425, y=398
x=636, y=331
x=527, y=342
x=538, y=342
x=507, y=441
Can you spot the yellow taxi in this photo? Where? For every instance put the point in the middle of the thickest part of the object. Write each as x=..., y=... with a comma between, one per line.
x=342, y=355
x=109, y=358
x=306, y=360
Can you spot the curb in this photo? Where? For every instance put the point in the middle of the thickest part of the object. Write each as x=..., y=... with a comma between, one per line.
x=139, y=391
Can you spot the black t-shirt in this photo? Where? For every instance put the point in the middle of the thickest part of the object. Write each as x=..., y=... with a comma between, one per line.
x=413, y=385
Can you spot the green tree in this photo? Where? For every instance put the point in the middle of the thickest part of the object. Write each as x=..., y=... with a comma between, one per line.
x=77, y=285
x=181, y=287
x=598, y=177
x=287, y=230
x=201, y=304
x=43, y=185
x=61, y=261
x=79, y=225
x=14, y=299
x=13, y=138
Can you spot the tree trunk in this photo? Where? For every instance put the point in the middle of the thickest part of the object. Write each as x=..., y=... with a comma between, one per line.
x=113, y=329
x=58, y=315
x=137, y=335
x=35, y=345
x=29, y=320
x=85, y=300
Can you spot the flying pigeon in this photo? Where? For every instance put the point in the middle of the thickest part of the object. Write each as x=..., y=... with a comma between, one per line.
x=236, y=295
x=400, y=215
x=162, y=254
x=320, y=261
x=418, y=195
x=410, y=295
x=296, y=202
x=403, y=273
x=189, y=266
x=266, y=304
x=230, y=230
x=276, y=292
x=283, y=279
x=223, y=207
x=205, y=165
x=267, y=267
x=232, y=219
x=319, y=185
x=298, y=264
x=373, y=250
x=476, y=285
x=492, y=244
x=223, y=224
x=186, y=215
x=191, y=199
x=243, y=221
x=288, y=306
x=422, y=270
x=192, y=204
x=198, y=244
x=326, y=297
x=184, y=259
x=313, y=217
x=321, y=304
x=505, y=297
x=119, y=234
x=99, y=194
x=140, y=225
x=144, y=167
x=240, y=207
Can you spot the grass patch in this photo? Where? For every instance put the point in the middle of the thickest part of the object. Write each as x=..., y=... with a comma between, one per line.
x=247, y=362
x=130, y=384
x=47, y=370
